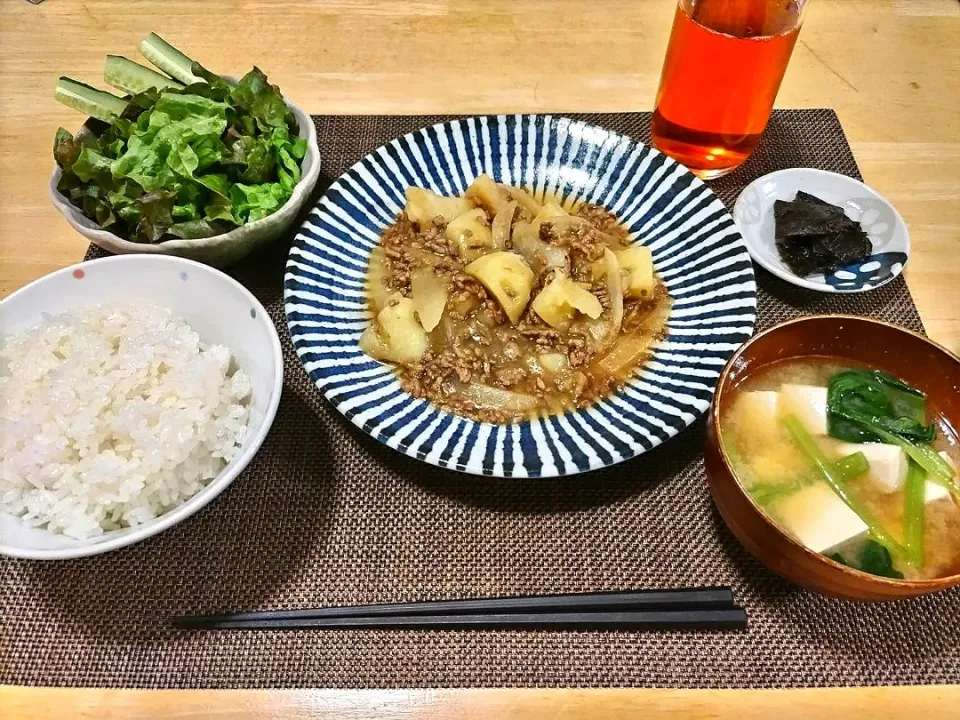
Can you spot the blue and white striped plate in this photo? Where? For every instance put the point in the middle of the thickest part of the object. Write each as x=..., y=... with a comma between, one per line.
x=696, y=247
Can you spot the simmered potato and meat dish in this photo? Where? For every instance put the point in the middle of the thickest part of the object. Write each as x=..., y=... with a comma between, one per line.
x=497, y=307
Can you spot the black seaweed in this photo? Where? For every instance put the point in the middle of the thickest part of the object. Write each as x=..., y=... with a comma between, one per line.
x=806, y=197
x=799, y=219
x=814, y=236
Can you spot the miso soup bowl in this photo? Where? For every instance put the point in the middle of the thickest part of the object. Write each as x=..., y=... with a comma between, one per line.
x=911, y=356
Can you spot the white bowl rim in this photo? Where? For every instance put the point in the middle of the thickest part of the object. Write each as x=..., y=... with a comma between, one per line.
x=88, y=228
x=799, y=281
x=227, y=475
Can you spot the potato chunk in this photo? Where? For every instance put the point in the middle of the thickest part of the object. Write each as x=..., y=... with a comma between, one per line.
x=508, y=278
x=548, y=212
x=558, y=302
x=470, y=235
x=486, y=194
x=372, y=344
x=553, y=362
x=637, y=262
x=424, y=205
x=397, y=336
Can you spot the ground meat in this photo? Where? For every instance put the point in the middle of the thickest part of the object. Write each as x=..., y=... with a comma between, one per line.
x=547, y=334
x=602, y=295
x=598, y=217
x=435, y=241
x=476, y=344
x=511, y=376
x=585, y=244
x=578, y=357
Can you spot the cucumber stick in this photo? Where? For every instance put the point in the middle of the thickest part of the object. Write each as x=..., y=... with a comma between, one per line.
x=90, y=101
x=126, y=75
x=166, y=57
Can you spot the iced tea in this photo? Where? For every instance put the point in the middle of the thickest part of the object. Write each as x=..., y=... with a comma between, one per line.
x=723, y=68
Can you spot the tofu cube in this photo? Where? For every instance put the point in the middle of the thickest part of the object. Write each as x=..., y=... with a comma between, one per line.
x=758, y=409
x=888, y=463
x=935, y=491
x=808, y=403
x=818, y=518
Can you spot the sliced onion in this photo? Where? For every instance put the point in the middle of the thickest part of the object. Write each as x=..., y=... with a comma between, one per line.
x=553, y=256
x=501, y=225
x=494, y=398
x=538, y=254
x=429, y=296
x=376, y=275
x=625, y=354
x=597, y=329
x=615, y=291
x=524, y=198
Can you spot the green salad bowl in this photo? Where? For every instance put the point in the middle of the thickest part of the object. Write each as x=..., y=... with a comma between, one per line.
x=218, y=250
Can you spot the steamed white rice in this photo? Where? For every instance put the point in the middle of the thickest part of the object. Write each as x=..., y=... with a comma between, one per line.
x=113, y=415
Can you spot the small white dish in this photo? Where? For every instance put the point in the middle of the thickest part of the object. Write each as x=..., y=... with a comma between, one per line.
x=219, y=250
x=219, y=308
x=753, y=213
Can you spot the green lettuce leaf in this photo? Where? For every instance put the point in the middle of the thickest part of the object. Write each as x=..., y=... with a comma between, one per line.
x=194, y=229
x=216, y=183
x=145, y=164
x=288, y=170
x=253, y=202
x=182, y=159
x=91, y=164
x=194, y=107
x=188, y=202
x=210, y=150
x=299, y=148
x=220, y=209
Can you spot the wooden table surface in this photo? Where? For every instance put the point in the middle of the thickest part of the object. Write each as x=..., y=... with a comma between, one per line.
x=891, y=69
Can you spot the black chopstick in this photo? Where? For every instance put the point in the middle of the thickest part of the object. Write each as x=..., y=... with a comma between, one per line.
x=689, y=619
x=631, y=600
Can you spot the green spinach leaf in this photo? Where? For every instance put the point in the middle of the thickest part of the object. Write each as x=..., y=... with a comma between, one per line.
x=872, y=558
x=859, y=399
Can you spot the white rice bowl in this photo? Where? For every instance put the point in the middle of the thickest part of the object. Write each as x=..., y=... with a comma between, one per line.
x=113, y=415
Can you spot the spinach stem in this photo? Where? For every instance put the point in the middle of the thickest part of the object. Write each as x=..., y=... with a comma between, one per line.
x=847, y=468
x=923, y=455
x=851, y=466
x=913, y=514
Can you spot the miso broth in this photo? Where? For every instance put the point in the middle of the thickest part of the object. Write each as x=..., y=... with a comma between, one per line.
x=784, y=481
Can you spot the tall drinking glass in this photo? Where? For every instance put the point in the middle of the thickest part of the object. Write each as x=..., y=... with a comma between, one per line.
x=723, y=68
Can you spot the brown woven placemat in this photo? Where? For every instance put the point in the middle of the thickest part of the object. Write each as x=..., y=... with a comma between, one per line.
x=325, y=515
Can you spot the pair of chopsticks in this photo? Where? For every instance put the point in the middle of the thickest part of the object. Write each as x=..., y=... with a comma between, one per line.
x=686, y=608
